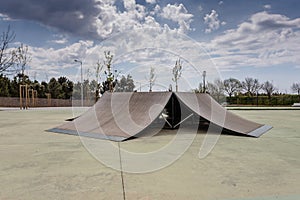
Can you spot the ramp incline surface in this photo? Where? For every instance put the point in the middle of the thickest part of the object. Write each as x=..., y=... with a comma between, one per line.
x=117, y=116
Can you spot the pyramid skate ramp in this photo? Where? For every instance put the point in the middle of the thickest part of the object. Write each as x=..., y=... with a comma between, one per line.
x=118, y=116
x=205, y=106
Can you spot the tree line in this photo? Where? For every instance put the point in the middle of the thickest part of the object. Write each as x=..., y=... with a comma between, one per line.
x=249, y=88
x=60, y=88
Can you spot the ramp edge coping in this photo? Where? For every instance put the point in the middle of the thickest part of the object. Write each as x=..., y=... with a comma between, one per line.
x=259, y=131
x=90, y=135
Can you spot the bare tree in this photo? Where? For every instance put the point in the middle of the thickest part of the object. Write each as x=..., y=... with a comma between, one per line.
x=98, y=70
x=7, y=57
x=46, y=77
x=220, y=86
x=251, y=86
x=177, y=70
x=211, y=88
x=216, y=89
x=296, y=88
x=231, y=86
x=109, y=74
x=269, y=88
x=152, y=78
x=199, y=89
x=22, y=59
x=109, y=84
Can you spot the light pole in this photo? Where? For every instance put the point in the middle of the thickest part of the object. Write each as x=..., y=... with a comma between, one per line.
x=204, y=75
x=81, y=84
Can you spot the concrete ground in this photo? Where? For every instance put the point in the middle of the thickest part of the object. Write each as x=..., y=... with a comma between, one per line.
x=35, y=164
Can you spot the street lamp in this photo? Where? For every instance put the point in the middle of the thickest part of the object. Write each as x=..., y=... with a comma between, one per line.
x=204, y=75
x=81, y=85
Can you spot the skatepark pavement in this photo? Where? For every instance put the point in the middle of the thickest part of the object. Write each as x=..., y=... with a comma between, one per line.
x=36, y=164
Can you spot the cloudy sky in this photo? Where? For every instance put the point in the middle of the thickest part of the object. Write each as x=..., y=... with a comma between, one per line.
x=229, y=38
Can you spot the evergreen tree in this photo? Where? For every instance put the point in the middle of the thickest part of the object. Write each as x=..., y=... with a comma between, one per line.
x=126, y=84
x=4, y=86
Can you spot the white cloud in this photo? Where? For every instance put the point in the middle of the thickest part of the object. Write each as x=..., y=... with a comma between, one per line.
x=151, y=1
x=156, y=9
x=176, y=12
x=267, y=6
x=129, y=4
x=179, y=14
x=200, y=8
x=256, y=27
x=5, y=17
x=100, y=19
x=134, y=52
x=54, y=61
x=111, y=20
x=264, y=40
x=223, y=23
x=212, y=21
x=221, y=2
x=60, y=39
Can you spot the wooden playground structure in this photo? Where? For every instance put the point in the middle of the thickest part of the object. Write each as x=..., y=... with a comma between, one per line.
x=48, y=98
x=28, y=97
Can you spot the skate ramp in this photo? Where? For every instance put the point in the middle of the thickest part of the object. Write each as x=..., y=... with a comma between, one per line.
x=205, y=106
x=118, y=116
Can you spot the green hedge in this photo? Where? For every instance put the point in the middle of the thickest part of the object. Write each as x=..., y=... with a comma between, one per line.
x=280, y=100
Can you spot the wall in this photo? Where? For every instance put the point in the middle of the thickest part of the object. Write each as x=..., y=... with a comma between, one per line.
x=43, y=102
